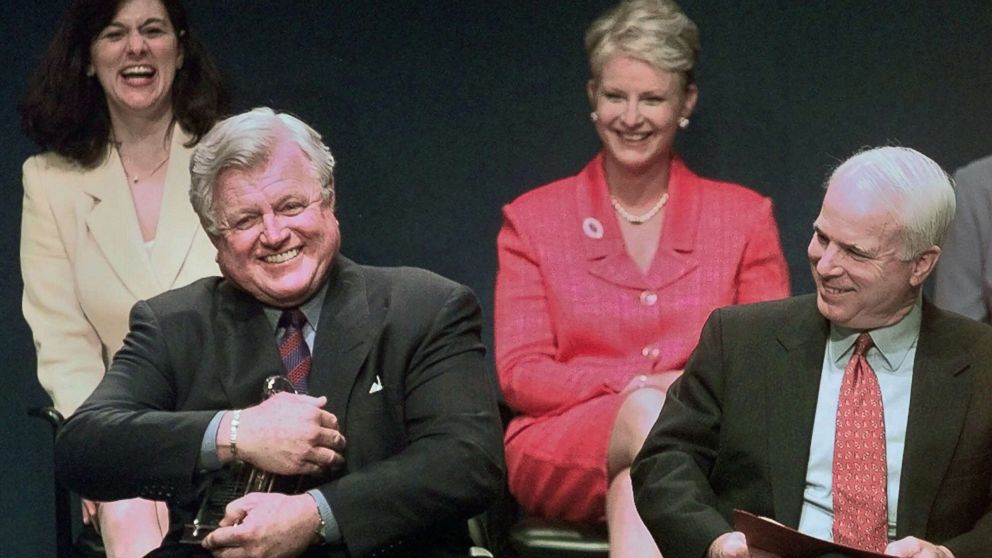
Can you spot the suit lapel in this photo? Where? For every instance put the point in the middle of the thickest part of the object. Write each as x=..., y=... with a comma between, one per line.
x=790, y=396
x=936, y=417
x=607, y=257
x=252, y=354
x=676, y=251
x=114, y=226
x=340, y=346
x=343, y=337
x=178, y=224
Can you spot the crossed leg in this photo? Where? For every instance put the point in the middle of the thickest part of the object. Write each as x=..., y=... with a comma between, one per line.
x=628, y=535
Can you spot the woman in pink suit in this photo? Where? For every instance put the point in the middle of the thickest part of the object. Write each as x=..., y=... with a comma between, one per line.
x=605, y=278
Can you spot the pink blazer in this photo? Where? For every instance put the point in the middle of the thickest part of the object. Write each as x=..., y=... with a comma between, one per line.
x=575, y=318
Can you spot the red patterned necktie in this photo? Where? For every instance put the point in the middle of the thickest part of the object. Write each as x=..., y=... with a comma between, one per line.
x=859, y=470
x=293, y=348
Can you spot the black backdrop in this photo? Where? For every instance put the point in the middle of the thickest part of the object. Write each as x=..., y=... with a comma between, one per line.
x=440, y=111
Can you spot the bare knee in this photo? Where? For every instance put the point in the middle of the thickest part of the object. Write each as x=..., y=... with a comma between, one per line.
x=637, y=415
x=640, y=411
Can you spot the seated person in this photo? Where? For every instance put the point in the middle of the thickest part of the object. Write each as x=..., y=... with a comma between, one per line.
x=963, y=280
x=395, y=421
x=605, y=278
x=783, y=403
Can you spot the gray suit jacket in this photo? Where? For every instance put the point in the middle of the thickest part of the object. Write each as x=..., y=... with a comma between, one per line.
x=963, y=279
x=423, y=454
x=736, y=429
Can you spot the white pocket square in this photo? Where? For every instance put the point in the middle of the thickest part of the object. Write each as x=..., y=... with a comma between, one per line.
x=376, y=385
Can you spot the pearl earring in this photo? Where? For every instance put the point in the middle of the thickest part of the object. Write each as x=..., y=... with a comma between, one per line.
x=594, y=117
x=683, y=123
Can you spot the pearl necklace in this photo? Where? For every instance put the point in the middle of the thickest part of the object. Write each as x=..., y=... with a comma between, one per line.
x=643, y=217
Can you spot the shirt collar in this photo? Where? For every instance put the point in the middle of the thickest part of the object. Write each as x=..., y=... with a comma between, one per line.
x=894, y=342
x=310, y=308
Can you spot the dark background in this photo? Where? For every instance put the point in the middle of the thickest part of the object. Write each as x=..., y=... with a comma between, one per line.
x=441, y=111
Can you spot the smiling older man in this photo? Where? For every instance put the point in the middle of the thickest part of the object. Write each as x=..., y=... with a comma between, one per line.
x=860, y=414
x=394, y=425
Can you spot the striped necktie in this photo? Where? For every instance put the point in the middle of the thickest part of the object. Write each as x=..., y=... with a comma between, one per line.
x=293, y=348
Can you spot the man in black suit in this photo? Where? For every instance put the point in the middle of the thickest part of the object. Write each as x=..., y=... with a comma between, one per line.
x=752, y=422
x=396, y=430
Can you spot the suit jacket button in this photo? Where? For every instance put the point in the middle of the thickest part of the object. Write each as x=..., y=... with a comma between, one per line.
x=648, y=298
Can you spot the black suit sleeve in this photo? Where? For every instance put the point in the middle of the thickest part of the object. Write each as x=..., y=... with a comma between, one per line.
x=672, y=490
x=126, y=440
x=452, y=464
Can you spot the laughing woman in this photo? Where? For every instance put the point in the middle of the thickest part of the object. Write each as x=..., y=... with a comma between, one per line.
x=121, y=95
x=605, y=278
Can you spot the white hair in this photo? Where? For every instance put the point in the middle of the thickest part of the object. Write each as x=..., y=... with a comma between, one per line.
x=245, y=141
x=920, y=195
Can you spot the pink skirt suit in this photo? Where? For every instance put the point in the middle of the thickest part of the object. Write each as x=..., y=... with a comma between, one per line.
x=576, y=319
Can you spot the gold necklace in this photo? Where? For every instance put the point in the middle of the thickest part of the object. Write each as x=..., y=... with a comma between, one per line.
x=135, y=179
x=643, y=217
x=130, y=177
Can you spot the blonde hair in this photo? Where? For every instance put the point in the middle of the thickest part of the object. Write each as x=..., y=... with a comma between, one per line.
x=655, y=31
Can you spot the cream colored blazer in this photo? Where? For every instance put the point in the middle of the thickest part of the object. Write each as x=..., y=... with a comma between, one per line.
x=84, y=263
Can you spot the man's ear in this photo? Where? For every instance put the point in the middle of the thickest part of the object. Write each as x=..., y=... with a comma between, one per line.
x=923, y=265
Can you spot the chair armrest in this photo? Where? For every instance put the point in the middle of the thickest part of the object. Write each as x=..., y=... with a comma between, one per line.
x=51, y=415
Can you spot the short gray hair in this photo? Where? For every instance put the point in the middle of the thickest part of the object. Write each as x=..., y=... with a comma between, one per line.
x=655, y=31
x=246, y=141
x=919, y=193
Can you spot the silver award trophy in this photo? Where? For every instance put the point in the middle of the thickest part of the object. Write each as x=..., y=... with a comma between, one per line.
x=238, y=479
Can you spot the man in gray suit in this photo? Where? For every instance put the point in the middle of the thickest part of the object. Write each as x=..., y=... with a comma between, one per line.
x=395, y=426
x=777, y=393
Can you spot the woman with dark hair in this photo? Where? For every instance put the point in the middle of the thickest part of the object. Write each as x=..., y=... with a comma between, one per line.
x=605, y=278
x=121, y=95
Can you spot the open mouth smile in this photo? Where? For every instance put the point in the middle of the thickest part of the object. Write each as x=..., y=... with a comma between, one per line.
x=282, y=256
x=632, y=137
x=141, y=71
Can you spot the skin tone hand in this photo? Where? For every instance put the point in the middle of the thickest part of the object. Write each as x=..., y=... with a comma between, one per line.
x=912, y=547
x=287, y=434
x=269, y=525
x=656, y=380
x=734, y=545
